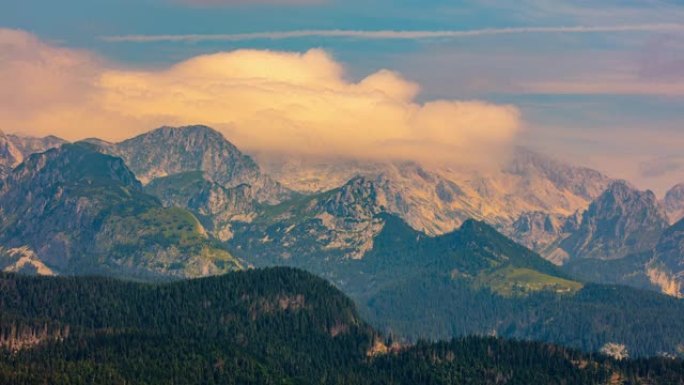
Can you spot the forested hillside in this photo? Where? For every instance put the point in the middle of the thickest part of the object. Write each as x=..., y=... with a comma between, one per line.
x=477, y=281
x=274, y=326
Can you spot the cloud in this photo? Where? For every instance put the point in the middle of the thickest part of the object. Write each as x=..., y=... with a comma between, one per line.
x=214, y=3
x=41, y=83
x=663, y=59
x=396, y=35
x=604, y=85
x=661, y=166
x=265, y=101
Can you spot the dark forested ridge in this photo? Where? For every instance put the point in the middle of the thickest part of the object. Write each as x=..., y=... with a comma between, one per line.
x=646, y=323
x=273, y=326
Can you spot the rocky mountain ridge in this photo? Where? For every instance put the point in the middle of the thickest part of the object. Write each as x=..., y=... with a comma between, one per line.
x=196, y=168
x=622, y=221
x=558, y=210
x=10, y=156
x=78, y=211
x=438, y=200
x=28, y=145
x=334, y=225
x=433, y=200
x=216, y=206
x=174, y=150
x=625, y=238
x=674, y=203
x=14, y=149
x=665, y=269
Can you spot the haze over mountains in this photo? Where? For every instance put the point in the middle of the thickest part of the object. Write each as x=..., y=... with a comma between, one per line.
x=185, y=202
x=438, y=199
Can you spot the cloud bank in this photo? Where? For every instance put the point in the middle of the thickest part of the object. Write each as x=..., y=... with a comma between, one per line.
x=396, y=35
x=265, y=101
x=214, y=3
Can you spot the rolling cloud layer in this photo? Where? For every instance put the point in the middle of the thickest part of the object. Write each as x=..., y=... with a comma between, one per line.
x=266, y=101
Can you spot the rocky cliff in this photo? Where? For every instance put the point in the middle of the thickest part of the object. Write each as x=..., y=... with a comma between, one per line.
x=622, y=221
x=76, y=210
x=674, y=203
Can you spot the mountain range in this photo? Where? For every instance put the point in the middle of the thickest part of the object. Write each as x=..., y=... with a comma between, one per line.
x=438, y=199
x=530, y=250
x=75, y=210
x=624, y=237
x=14, y=149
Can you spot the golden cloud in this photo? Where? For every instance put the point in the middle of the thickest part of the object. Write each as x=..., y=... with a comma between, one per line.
x=264, y=101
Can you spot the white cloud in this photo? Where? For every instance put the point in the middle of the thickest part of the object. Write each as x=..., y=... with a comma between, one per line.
x=396, y=35
x=213, y=3
x=265, y=101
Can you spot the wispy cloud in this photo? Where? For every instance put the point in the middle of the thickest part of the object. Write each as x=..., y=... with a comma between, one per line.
x=395, y=34
x=606, y=87
x=661, y=166
x=214, y=3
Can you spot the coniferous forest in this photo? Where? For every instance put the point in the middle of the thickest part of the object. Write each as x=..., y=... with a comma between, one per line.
x=271, y=326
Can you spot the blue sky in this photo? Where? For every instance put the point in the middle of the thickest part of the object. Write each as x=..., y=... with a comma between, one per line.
x=611, y=98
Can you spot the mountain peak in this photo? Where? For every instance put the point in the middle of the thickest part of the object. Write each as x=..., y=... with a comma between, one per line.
x=622, y=187
x=172, y=150
x=10, y=156
x=622, y=221
x=28, y=145
x=82, y=211
x=97, y=142
x=674, y=202
x=76, y=162
x=581, y=181
x=621, y=193
x=197, y=131
x=475, y=226
x=358, y=198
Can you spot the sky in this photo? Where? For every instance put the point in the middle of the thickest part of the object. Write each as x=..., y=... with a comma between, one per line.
x=597, y=83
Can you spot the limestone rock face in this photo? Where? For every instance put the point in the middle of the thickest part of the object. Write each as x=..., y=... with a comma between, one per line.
x=339, y=224
x=10, y=156
x=622, y=221
x=28, y=145
x=438, y=199
x=78, y=211
x=196, y=168
x=674, y=203
x=173, y=150
x=541, y=231
x=14, y=149
x=666, y=269
x=624, y=238
x=215, y=205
